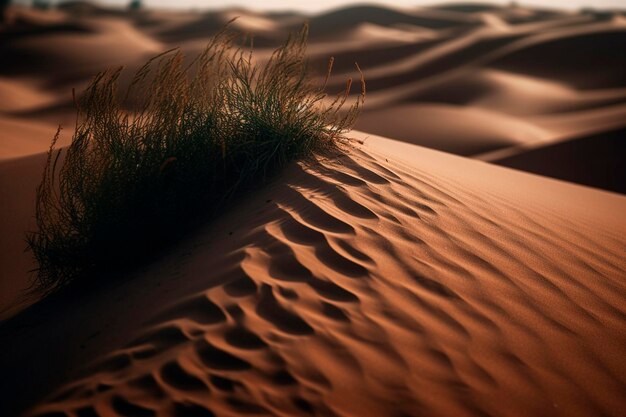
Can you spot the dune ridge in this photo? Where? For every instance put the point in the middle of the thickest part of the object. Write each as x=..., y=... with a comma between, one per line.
x=379, y=283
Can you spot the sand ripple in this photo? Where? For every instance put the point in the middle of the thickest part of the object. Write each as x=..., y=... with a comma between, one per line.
x=368, y=288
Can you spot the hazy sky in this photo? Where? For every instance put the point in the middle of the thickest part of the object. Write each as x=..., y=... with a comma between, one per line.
x=319, y=5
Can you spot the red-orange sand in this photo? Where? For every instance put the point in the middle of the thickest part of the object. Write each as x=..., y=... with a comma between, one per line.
x=394, y=280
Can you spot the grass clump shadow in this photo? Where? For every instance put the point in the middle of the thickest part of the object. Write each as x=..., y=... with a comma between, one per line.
x=180, y=142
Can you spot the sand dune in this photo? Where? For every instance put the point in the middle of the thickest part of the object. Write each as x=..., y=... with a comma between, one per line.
x=16, y=95
x=473, y=131
x=25, y=138
x=594, y=160
x=392, y=281
x=596, y=46
x=532, y=72
x=62, y=54
x=523, y=95
x=346, y=19
x=516, y=94
x=553, y=75
x=206, y=25
x=468, y=8
x=19, y=178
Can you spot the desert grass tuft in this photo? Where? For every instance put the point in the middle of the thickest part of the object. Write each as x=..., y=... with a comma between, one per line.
x=146, y=163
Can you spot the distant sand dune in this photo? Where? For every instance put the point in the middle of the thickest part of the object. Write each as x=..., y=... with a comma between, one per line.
x=65, y=54
x=346, y=19
x=586, y=58
x=523, y=95
x=552, y=75
x=19, y=178
x=457, y=129
x=22, y=138
x=208, y=24
x=593, y=159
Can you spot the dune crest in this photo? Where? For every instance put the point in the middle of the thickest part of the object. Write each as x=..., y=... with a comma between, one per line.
x=378, y=284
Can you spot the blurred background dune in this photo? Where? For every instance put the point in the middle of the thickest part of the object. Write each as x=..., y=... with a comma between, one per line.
x=536, y=88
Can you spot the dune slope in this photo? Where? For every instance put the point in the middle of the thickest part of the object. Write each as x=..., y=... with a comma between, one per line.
x=393, y=281
x=595, y=160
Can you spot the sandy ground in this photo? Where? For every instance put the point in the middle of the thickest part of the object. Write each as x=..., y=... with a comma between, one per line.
x=392, y=281
x=395, y=280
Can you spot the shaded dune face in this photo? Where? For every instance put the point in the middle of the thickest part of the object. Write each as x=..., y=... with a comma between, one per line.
x=559, y=58
x=369, y=288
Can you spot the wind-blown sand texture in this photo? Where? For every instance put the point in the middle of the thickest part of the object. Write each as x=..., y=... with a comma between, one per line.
x=394, y=280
